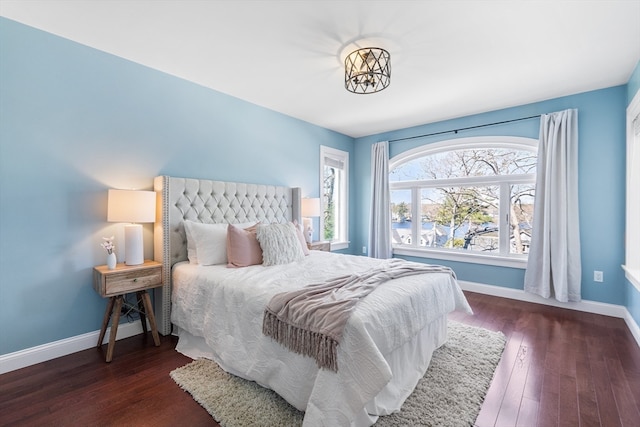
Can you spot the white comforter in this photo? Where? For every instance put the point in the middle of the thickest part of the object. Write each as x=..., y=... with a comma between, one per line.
x=226, y=305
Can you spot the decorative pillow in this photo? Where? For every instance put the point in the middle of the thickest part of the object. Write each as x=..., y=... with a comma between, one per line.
x=243, y=248
x=303, y=242
x=192, y=253
x=280, y=243
x=209, y=241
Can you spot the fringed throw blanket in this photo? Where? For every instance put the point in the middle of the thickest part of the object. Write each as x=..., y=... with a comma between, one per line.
x=310, y=321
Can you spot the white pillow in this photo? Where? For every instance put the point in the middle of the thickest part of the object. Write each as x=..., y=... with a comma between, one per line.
x=206, y=243
x=279, y=243
x=192, y=253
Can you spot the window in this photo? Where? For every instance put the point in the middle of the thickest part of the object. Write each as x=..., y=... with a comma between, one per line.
x=468, y=199
x=632, y=232
x=334, y=179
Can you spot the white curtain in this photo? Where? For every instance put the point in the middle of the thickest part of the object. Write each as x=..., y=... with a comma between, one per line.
x=380, y=225
x=554, y=267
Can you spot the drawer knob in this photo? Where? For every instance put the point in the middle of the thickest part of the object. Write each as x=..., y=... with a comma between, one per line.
x=135, y=280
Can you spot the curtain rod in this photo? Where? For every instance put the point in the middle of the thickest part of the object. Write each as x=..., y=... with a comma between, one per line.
x=467, y=128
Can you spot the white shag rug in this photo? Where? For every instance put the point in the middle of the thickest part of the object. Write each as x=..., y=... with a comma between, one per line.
x=449, y=395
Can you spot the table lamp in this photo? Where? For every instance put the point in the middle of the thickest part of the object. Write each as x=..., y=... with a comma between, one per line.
x=134, y=207
x=310, y=208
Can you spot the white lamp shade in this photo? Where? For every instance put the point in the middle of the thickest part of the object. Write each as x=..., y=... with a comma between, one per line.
x=311, y=207
x=134, y=207
x=131, y=206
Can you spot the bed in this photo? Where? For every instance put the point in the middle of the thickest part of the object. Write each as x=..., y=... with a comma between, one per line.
x=217, y=311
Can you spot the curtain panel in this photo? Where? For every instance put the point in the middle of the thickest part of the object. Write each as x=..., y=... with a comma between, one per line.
x=380, y=223
x=554, y=266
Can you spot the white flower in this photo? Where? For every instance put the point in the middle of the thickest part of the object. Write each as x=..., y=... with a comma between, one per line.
x=108, y=244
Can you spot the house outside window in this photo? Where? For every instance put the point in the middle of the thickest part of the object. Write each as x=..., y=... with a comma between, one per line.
x=334, y=180
x=468, y=199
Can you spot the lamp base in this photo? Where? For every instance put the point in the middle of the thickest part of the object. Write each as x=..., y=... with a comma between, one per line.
x=308, y=229
x=133, y=244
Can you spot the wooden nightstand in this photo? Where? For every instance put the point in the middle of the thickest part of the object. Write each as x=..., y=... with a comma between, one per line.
x=125, y=279
x=320, y=246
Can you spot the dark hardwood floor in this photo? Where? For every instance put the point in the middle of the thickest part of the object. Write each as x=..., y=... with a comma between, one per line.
x=559, y=368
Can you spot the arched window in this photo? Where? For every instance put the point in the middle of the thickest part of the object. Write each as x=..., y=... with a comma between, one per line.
x=467, y=199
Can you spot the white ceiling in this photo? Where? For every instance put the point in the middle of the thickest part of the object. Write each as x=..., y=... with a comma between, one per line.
x=449, y=58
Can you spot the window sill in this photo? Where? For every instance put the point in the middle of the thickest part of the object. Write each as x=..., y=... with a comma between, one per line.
x=632, y=275
x=499, y=261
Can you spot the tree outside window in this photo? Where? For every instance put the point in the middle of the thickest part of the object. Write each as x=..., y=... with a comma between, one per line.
x=329, y=202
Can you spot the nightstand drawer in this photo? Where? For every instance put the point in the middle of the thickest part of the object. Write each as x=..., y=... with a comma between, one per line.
x=126, y=279
x=320, y=246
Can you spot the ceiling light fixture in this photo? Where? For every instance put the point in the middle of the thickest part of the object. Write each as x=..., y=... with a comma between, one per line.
x=367, y=70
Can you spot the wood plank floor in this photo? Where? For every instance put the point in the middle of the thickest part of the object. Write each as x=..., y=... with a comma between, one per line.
x=559, y=368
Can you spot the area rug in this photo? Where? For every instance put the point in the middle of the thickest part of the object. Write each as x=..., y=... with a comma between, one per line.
x=450, y=394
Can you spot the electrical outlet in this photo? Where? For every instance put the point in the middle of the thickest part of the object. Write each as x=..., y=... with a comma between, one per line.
x=598, y=276
x=364, y=249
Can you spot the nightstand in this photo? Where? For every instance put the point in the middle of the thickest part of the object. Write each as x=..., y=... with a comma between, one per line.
x=124, y=279
x=320, y=246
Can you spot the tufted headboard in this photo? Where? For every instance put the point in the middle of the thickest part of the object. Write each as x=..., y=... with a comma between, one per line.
x=209, y=202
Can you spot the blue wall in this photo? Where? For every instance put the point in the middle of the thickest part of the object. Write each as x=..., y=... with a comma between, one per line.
x=76, y=121
x=601, y=117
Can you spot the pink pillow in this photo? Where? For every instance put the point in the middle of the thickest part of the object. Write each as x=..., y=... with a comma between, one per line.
x=243, y=248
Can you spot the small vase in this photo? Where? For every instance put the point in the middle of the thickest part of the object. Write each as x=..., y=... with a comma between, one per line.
x=111, y=261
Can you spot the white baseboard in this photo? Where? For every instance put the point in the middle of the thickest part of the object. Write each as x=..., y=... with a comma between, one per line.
x=633, y=327
x=595, y=307
x=42, y=353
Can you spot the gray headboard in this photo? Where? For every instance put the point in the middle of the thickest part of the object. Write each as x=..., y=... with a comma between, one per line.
x=210, y=202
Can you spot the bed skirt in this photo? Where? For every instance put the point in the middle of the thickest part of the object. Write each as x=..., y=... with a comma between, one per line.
x=408, y=364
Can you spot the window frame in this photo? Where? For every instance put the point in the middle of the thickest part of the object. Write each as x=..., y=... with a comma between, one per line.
x=342, y=241
x=504, y=181
x=632, y=229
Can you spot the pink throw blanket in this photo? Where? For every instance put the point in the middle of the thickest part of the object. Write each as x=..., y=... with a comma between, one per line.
x=310, y=321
